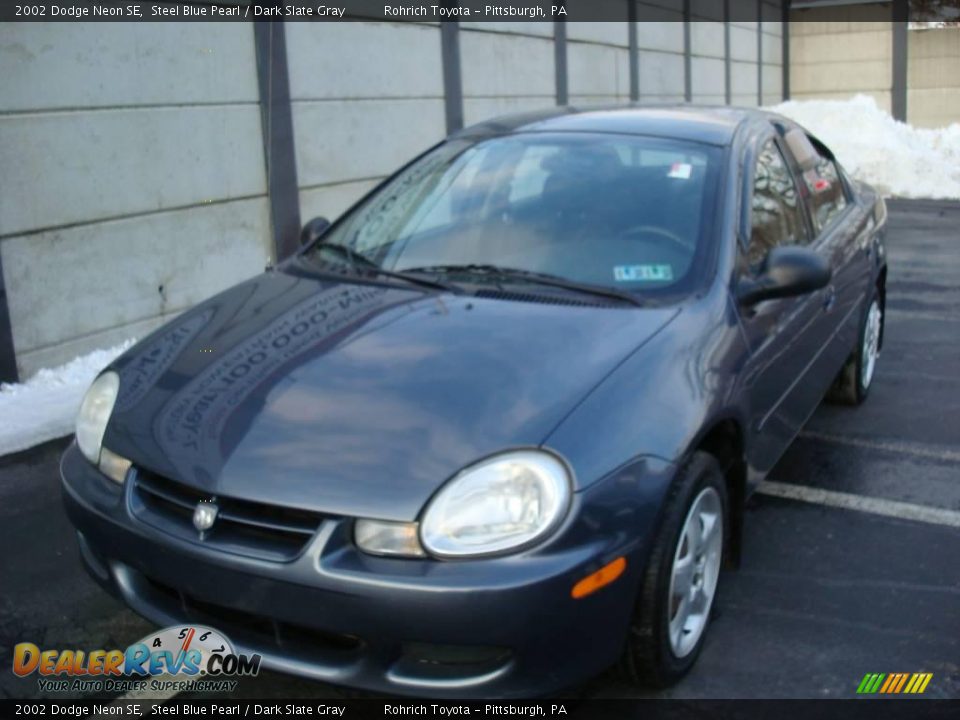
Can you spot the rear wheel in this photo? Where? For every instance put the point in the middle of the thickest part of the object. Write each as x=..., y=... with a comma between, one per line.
x=680, y=584
x=853, y=383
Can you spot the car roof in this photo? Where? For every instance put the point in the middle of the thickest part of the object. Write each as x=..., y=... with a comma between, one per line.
x=714, y=125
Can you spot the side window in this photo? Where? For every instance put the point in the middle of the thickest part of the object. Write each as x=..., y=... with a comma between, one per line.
x=827, y=199
x=776, y=215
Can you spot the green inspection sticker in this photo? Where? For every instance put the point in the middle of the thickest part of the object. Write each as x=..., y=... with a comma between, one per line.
x=633, y=273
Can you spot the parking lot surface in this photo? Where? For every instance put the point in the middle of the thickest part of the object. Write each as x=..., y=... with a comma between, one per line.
x=833, y=585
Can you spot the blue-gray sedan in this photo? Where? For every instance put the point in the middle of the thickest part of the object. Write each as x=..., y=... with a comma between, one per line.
x=492, y=430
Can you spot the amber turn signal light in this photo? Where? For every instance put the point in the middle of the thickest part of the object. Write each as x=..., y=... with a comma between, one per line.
x=604, y=576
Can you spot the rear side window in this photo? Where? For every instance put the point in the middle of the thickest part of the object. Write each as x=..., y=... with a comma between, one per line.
x=827, y=198
x=776, y=217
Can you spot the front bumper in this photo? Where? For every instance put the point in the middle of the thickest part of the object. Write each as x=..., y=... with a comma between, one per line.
x=504, y=627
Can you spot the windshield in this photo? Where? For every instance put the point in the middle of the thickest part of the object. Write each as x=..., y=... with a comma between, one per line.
x=627, y=212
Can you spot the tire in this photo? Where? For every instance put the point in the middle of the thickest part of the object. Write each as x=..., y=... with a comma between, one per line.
x=852, y=385
x=655, y=654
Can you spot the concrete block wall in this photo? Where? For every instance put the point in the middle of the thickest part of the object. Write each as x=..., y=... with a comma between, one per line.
x=707, y=53
x=933, y=77
x=744, y=73
x=506, y=67
x=662, y=49
x=660, y=45
x=366, y=97
x=771, y=53
x=839, y=52
x=598, y=61
x=133, y=181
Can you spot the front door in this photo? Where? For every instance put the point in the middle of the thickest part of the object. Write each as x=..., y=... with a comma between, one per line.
x=784, y=335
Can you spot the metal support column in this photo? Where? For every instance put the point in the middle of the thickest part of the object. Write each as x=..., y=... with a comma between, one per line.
x=8, y=358
x=898, y=85
x=634, y=45
x=278, y=142
x=759, y=52
x=687, y=64
x=785, y=53
x=727, y=89
x=560, y=60
x=452, y=79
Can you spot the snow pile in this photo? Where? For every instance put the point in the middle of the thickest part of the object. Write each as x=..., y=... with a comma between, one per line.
x=894, y=157
x=45, y=406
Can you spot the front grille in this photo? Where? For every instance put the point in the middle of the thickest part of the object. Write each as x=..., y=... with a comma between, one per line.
x=242, y=527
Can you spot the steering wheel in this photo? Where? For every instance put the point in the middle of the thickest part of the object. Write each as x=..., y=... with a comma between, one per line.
x=659, y=232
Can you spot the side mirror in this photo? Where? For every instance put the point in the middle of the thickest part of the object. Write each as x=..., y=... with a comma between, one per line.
x=787, y=271
x=313, y=230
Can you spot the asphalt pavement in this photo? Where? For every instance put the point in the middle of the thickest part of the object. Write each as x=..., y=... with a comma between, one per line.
x=831, y=587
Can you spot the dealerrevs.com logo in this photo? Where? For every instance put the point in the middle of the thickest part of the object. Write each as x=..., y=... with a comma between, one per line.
x=181, y=657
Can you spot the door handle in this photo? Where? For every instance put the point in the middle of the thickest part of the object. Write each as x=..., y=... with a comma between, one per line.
x=829, y=299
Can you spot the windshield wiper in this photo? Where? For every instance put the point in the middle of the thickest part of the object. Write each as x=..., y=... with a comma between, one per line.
x=360, y=262
x=537, y=278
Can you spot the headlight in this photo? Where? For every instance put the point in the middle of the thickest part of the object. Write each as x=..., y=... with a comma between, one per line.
x=95, y=413
x=505, y=502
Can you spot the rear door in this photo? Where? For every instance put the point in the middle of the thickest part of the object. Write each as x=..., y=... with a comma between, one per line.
x=842, y=234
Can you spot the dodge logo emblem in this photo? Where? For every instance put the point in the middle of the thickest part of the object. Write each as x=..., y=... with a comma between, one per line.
x=204, y=515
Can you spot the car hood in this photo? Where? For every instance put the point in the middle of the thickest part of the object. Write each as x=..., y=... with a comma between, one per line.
x=356, y=399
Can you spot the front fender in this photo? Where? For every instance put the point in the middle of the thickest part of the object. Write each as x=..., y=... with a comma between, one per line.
x=663, y=399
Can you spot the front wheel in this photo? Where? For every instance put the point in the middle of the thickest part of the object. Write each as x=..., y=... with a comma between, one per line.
x=853, y=383
x=680, y=584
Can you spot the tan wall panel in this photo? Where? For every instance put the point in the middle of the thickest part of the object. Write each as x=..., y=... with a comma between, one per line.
x=851, y=76
x=933, y=107
x=833, y=48
x=881, y=96
x=942, y=43
x=923, y=73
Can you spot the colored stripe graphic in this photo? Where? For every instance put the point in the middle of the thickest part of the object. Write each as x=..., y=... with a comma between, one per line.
x=918, y=683
x=891, y=681
x=894, y=683
x=903, y=680
x=870, y=683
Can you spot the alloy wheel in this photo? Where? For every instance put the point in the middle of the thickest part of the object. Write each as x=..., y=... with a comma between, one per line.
x=871, y=344
x=696, y=568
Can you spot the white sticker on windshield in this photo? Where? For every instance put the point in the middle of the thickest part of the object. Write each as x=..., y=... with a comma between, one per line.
x=633, y=273
x=680, y=170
